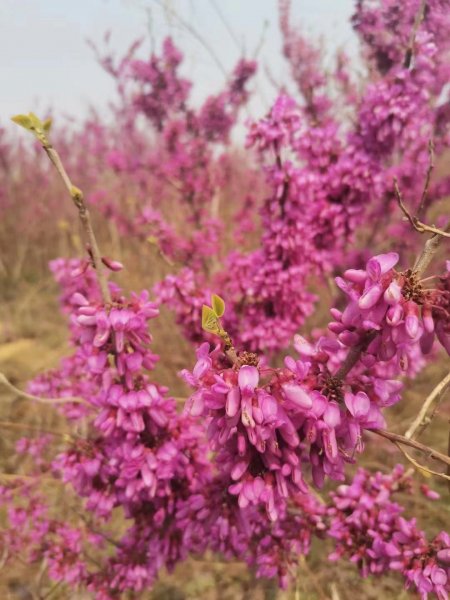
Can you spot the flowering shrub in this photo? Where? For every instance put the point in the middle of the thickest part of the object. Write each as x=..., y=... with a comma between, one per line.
x=236, y=468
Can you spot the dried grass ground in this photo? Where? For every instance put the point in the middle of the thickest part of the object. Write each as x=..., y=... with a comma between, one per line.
x=33, y=338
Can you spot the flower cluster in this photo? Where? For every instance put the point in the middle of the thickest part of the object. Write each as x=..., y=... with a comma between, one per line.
x=392, y=311
x=139, y=454
x=369, y=529
x=267, y=425
x=234, y=472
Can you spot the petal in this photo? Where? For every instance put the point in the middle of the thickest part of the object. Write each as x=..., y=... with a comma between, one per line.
x=332, y=415
x=297, y=395
x=358, y=404
x=387, y=261
x=239, y=469
x=370, y=297
x=355, y=275
x=201, y=367
x=233, y=402
x=393, y=293
x=248, y=377
x=195, y=404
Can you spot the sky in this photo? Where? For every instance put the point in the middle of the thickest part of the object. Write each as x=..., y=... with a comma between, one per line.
x=45, y=60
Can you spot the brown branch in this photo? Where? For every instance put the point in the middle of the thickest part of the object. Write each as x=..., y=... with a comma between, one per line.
x=427, y=254
x=400, y=439
x=12, y=388
x=355, y=354
x=422, y=421
x=417, y=225
x=85, y=218
x=209, y=48
x=448, y=452
x=417, y=21
x=417, y=465
x=24, y=427
x=427, y=178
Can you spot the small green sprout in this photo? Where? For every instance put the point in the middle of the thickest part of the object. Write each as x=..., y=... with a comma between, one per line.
x=40, y=129
x=211, y=316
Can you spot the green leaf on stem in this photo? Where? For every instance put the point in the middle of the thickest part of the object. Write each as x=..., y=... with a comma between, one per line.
x=23, y=120
x=33, y=123
x=46, y=125
x=209, y=320
x=218, y=305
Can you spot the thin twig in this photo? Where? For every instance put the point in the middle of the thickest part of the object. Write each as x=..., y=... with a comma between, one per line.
x=427, y=178
x=22, y=394
x=417, y=225
x=227, y=25
x=52, y=590
x=85, y=218
x=421, y=421
x=427, y=254
x=448, y=452
x=354, y=355
x=15, y=477
x=419, y=466
x=195, y=34
x=25, y=427
x=417, y=21
x=315, y=581
x=400, y=439
x=92, y=529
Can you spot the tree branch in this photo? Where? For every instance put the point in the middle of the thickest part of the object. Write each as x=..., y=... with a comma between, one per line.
x=12, y=388
x=400, y=439
x=85, y=218
x=427, y=179
x=417, y=21
x=24, y=427
x=355, y=354
x=414, y=462
x=417, y=225
x=421, y=421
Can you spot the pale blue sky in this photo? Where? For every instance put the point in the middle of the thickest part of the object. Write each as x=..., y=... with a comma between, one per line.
x=45, y=60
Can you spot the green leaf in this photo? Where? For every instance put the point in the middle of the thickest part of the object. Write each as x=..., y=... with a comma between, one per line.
x=218, y=305
x=46, y=125
x=23, y=121
x=33, y=123
x=209, y=320
x=36, y=122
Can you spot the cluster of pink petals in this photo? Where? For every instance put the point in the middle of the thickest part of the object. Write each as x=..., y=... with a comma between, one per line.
x=390, y=307
x=369, y=529
x=232, y=474
x=268, y=426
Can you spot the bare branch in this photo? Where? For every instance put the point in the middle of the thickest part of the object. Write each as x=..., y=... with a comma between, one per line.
x=400, y=439
x=355, y=354
x=24, y=427
x=227, y=25
x=419, y=466
x=417, y=225
x=427, y=178
x=422, y=421
x=194, y=33
x=12, y=388
x=85, y=218
x=417, y=21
